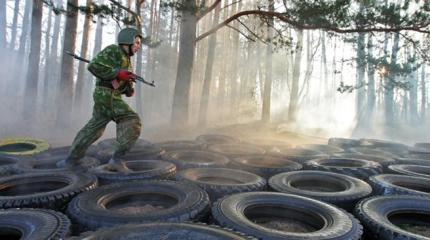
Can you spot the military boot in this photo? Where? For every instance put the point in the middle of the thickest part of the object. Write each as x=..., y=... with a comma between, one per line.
x=119, y=165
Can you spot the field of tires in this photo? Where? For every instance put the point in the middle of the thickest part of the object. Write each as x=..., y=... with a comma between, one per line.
x=218, y=187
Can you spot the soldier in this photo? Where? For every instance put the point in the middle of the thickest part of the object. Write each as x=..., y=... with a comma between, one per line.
x=112, y=67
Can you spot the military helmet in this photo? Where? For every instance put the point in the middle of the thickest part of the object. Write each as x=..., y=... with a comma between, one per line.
x=127, y=35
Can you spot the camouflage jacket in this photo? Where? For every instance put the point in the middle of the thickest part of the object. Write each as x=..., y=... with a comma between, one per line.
x=105, y=65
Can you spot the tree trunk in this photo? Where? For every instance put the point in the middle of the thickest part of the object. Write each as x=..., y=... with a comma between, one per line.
x=65, y=99
x=48, y=54
x=360, y=92
x=25, y=23
x=423, y=93
x=139, y=62
x=14, y=24
x=2, y=24
x=370, y=106
x=185, y=65
x=292, y=110
x=268, y=81
x=81, y=82
x=413, y=95
x=204, y=100
x=34, y=59
x=389, y=87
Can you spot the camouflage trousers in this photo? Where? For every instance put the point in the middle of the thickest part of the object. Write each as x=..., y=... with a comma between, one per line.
x=108, y=106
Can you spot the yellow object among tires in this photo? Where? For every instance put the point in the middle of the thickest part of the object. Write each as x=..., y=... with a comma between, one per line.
x=22, y=146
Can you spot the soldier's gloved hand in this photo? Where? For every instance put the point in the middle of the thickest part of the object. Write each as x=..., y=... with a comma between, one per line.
x=124, y=75
x=129, y=92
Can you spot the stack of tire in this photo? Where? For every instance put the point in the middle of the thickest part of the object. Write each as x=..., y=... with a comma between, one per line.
x=242, y=188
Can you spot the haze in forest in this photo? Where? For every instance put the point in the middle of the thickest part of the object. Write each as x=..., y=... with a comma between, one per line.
x=305, y=73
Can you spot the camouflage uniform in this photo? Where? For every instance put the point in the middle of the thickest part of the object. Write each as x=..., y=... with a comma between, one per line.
x=108, y=105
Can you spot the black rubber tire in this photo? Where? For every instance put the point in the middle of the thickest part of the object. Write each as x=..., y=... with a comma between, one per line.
x=33, y=224
x=211, y=139
x=296, y=154
x=195, y=159
x=60, y=152
x=140, y=170
x=411, y=170
x=384, y=161
x=55, y=164
x=8, y=165
x=219, y=182
x=394, y=184
x=344, y=143
x=373, y=151
x=110, y=142
x=338, y=189
x=242, y=211
x=166, y=231
x=264, y=165
x=13, y=189
x=267, y=144
x=180, y=145
x=358, y=168
x=377, y=216
x=147, y=152
x=236, y=150
x=396, y=148
x=90, y=210
x=327, y=149
x=413, y=161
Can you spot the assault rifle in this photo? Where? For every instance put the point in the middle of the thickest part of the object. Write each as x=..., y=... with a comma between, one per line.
x=138, y=78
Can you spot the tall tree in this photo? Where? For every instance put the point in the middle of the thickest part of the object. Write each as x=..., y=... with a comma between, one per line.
x=185, y=63
x=294, y=95
x=268, y=81
x=423, y=93
x=139, y=62
x=25, y=23
x=65, y=97
x=32, y=76
x=204, y=102
x=81, y=83
x=2, y=24
x=14, y=28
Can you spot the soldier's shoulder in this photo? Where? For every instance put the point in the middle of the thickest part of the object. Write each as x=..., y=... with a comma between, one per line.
x=113, y=48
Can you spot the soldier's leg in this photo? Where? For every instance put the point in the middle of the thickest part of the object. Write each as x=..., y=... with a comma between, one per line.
x=92, y=131
x=127, y=131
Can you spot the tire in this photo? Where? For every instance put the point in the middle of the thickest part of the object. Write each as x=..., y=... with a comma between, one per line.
x=344, y=143
x=55, y=189
x=264, y=165
x=180, y=145
x=411, y=170
x=338, y=189
x=297, y=155
x=141, y=170
x=219, y=182
x=380, y=214
x=33, y=224
x=247, y=212
x=327, y=149
x=8, y=165
x=413, y=161
x=424, y=145
x=22, y=146
x=358, y=168
x=268, y=144
x=373, y=151
x=60, y=152
x=211, y=139
x=396, y=148
x=236, y=150
x=384, y=161
x=55, y=164
x=166, y=231
x=393, y=184
x=110, y=142
x=195, y=159
x=144, y=152
x=94, y=209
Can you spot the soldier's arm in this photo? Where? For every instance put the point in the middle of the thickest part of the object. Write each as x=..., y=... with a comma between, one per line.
x=105, y=65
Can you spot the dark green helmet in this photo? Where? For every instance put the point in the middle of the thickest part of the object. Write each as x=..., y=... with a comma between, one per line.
x=127, y=35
